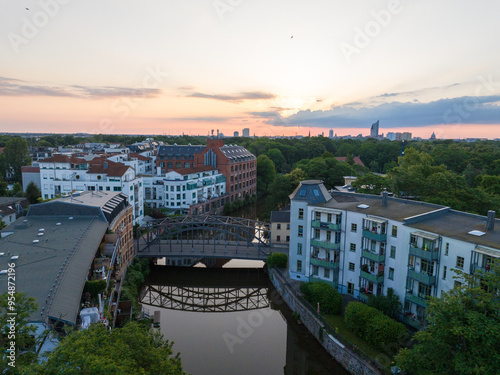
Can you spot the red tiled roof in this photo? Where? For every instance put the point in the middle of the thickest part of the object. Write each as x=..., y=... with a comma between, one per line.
x=357, y=160
x=30, y=169
x=139, y=156
x=113, y=169
x=59, y=158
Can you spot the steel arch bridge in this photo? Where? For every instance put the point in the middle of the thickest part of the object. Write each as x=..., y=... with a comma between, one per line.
x=205, y=236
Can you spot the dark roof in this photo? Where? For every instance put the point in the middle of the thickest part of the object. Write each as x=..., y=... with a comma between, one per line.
x=30, y=169
x=6, y=210
x=176, y=151
x=235, y=152
x=280, y=216
x=356, y=159
x=201, y=168
x=311, y=191
x=11, y=200
x=139, y=156
x=107, y=167
x=53, y=271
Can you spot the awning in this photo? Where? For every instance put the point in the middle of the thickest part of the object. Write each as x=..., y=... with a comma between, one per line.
x=429, y=236
x=376, y=219
x=485, y=250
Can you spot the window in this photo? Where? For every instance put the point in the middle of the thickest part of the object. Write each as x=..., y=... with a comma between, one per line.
x=287, y=238
x=278, y=226
x=447, y=248
x=424, y=290
x=278, y=238
x=288, y=226
x=301, y=213
x=352, y=247
x=393, y=252
x=299, y=266
x=329, y=218
x=299, y=249
x=329, y=236
x=394, y=231
x=350, y=288
x=315, y=270
x=178, y=164
x=301, y=231
x=391, y=273
x=351, y=266
x=444, y=273
x=317, y=216
x=354, y=227
x=186, y=165
x=427, y=267
x=460, y=262
x=317, y=234
x=327, y=273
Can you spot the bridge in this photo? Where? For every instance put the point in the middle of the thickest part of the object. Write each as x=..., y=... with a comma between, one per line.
x=205, y=289
x=205, y=236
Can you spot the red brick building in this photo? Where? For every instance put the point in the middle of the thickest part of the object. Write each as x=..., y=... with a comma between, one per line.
x=236, y=163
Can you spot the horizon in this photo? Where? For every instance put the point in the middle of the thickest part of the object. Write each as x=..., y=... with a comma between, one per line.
x=279, y=68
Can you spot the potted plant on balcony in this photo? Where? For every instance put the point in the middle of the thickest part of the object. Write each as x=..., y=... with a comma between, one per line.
x=364, y=267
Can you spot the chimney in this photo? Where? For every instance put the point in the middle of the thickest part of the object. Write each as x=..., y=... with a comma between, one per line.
x=385, y=196
x=490, y=221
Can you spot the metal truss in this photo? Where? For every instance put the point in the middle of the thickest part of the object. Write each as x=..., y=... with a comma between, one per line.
x=202, y=299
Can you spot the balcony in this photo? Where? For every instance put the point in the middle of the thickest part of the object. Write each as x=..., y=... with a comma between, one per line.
x=325, y=245
x=419, y=300
x=325, y=225
x=364, y=296
x=373, y=278
x=424, y=254
x=324, y=263
x=380, y=258
x=375, y=236
x=477, y=267
x=423, y=278
x=415, y=323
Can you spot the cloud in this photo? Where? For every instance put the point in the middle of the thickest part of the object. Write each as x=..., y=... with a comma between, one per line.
x=465, y=109
x=199, y=118
x=236, y=98
x=16, y=87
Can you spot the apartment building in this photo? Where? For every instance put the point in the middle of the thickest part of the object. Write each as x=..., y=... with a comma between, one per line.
x=62, y=174
x=364, y=244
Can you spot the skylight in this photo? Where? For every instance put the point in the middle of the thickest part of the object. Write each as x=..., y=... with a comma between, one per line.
x=477, y=233
x=302, y=193
x=316, y=193
x=363, y=206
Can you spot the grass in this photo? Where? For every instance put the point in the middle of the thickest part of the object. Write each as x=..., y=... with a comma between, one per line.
x=337, y=321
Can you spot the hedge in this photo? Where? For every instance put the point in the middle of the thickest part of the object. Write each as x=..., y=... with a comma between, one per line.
x=372, y=325
x=277, y=259
x=330, y=301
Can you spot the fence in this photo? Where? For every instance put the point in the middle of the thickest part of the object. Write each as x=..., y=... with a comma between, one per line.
x=347, y=354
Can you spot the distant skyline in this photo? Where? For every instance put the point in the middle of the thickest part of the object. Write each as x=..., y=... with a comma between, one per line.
x=276, y=67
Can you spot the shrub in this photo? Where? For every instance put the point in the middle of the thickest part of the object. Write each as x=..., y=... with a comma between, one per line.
x=277, y=259
x=95, y=287
x=372, y=325
x=330, y=301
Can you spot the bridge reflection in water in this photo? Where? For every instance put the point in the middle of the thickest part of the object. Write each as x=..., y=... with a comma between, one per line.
x=206, y=289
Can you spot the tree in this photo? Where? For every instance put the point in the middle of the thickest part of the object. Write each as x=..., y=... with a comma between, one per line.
x=133, y=349
x=463, y=332
x=17, y=190
x=279, y=192
x=265, y=174
x=277, y=158
x=370, y=183
x=16, y=153
x=24, y=307
x=3, y=187
x=389, y=304
x=33, y=193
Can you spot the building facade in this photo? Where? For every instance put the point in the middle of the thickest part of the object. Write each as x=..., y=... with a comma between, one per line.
x=363, y=245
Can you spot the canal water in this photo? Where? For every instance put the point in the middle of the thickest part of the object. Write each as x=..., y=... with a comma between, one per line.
x=266, y=340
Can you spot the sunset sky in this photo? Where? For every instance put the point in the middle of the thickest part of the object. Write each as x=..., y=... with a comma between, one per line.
x=277, y=67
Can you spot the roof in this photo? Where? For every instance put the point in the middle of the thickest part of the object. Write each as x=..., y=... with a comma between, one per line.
x=6, y=210
x=280, y=216
x=311, y=191
x=139, y=156
x=181, y=151
x=235, y=152
x=53, y=271
x=30, y=169
x=357, y=160
x=107, y=167
x=201, y=168
x=59, y=158
x=11, y=200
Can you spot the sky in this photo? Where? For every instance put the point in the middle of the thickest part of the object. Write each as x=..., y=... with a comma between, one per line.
x=277, y=67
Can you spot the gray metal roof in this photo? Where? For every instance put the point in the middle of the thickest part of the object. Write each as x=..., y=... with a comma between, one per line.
x=280, y=216
x=180, y=151
x=236, y=152
x=53, y=271
x=311, y=191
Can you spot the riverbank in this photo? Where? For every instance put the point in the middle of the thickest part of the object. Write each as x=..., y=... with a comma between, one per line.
x=289, y=292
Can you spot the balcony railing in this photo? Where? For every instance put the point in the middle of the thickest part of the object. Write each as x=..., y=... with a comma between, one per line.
x=424, y=278
x=373, y=278
x=324, y=263
x=415, y=323
x=477, y=267
x=325, y=225
x=418, y=299
x=364, y=296
x=375, y=236
x=424, y=254
x=380, y=258
x=325, y=245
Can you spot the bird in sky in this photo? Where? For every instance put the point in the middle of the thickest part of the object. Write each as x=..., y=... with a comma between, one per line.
x=291, y=37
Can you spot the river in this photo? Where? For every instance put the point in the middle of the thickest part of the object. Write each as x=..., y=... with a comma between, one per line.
x=260, y=337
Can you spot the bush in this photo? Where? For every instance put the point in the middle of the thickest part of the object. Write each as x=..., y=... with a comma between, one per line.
x=277, y=259
x=95, y=287
x=372, y=325
x=330, y=301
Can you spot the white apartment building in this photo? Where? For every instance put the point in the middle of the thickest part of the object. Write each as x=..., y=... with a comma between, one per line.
x=62, y=174
x=365, y=244
x=180, y=189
